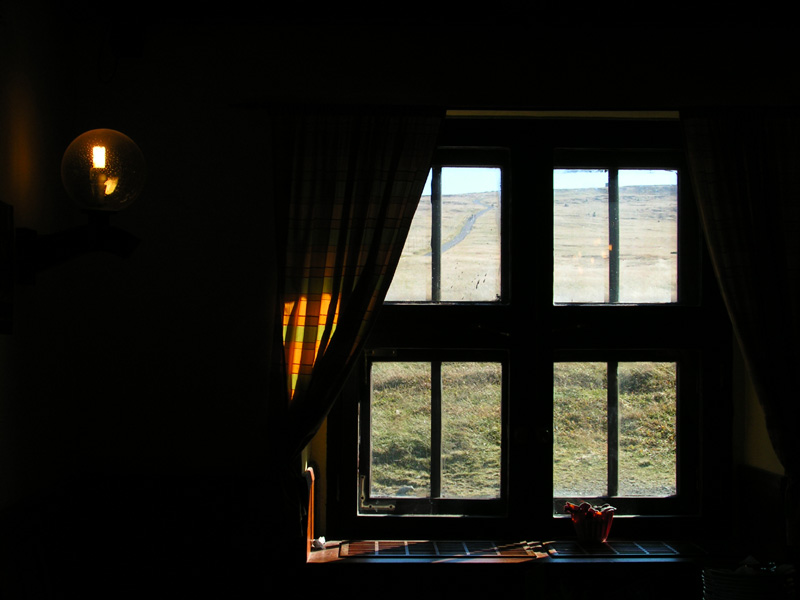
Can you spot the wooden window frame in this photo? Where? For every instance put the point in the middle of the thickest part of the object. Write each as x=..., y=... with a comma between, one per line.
x=536, y=332
x=435, y=504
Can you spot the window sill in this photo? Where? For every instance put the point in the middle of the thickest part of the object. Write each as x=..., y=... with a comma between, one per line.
x=556, y=552
x=337, y=552
x=541, y=575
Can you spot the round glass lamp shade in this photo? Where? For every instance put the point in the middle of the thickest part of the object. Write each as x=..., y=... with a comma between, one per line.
x=103, y=169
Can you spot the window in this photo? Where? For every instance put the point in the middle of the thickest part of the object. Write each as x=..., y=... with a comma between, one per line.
x=614, y=429
x=453, y=251
x=615, y=235
x=549, y=336
x=432, y=422
x=617, y=425
x=432, y=434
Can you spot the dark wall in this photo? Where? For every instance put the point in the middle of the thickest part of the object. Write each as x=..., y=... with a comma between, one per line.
x=133, y=391
x=159, y=360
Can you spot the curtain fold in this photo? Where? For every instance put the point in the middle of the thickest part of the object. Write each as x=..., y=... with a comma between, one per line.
x=347, y=184
x=744, y=166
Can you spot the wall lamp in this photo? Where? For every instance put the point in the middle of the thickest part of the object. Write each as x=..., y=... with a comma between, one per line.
x=103, y=171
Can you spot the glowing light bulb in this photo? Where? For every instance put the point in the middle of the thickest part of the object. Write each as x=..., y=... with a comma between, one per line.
x=103, y=169
x=99, y=157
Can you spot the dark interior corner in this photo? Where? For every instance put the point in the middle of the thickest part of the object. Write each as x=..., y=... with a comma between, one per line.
x=136, y=441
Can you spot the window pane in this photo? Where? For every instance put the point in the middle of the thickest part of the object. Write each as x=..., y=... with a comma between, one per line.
x=400, y=429
x=580, y=236
x=646, y=455
x=647, y=441
x=648, y=213
x=469, y=248
x=586, y=229
x=580, y=451
x=470, y=234
x=471, y=429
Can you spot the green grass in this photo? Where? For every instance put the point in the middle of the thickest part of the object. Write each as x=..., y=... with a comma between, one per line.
x=647, y=406
x=472, y=429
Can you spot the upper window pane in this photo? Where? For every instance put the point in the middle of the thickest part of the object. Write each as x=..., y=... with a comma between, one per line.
x=615, y=236
x=452, y=253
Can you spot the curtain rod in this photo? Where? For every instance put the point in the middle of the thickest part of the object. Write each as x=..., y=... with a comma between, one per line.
x=570, y=114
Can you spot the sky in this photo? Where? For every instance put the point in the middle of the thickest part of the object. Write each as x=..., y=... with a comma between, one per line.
x=462, y=180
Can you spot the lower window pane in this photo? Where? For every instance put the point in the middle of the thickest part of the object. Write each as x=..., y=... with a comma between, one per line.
x=596, y=454
x=647, y=440
x=580, y=446
x=401, y=429
x=471, y=431
x=435, y=430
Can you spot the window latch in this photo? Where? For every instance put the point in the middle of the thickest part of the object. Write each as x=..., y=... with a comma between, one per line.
x=375, y=506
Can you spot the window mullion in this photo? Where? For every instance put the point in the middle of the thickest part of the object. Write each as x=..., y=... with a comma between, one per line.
x=436, y=234
x=613, y=235
x=436, y=429
x=612, y=394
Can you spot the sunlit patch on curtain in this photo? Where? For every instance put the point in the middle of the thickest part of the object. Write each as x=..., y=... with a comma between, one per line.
x=305, y=321
x=349, y=185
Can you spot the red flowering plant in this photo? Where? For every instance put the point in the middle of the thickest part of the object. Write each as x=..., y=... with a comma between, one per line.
x=592, y=523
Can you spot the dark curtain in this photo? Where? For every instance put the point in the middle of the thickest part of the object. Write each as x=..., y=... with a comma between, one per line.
x=6, y=266
x=744, y=166
x=348, y=183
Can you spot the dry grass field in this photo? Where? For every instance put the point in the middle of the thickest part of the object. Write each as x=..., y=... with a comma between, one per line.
x=471, y=257
x=648, y=232
x=471, y=237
